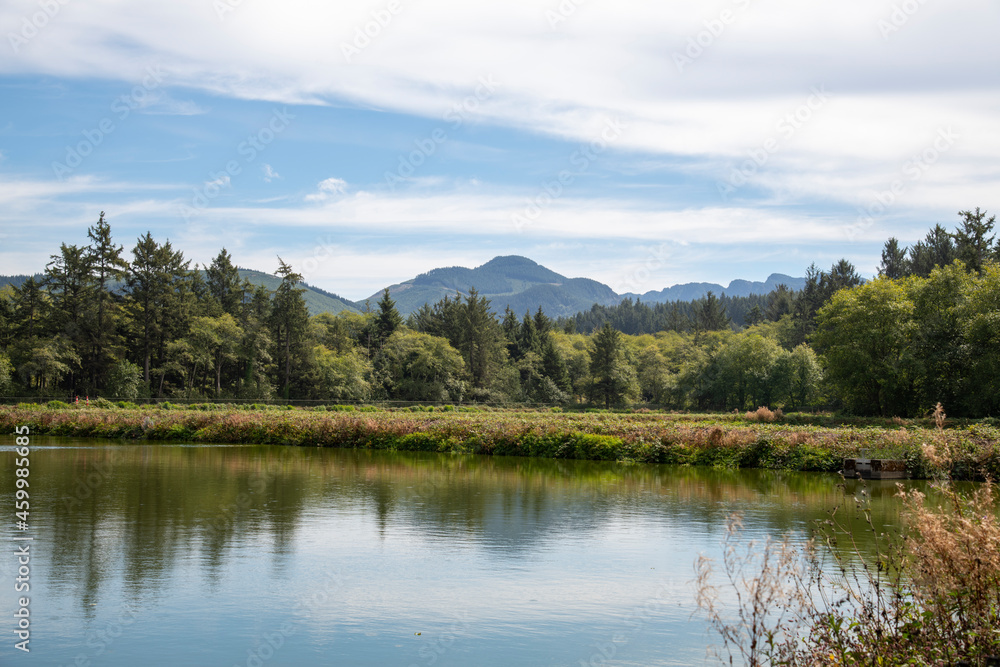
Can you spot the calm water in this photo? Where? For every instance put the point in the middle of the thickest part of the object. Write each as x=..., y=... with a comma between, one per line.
x=248, y=555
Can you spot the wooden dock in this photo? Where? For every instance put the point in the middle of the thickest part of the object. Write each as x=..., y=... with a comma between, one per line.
x=875, y=469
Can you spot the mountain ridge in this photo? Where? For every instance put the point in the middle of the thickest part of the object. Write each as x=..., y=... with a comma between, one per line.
x=524, y=285
x=511, y=281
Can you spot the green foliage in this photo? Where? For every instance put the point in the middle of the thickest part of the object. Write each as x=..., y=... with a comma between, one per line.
x=289, y=320
x=719, y=441
x=124, y=380
x=897, y=347
x=387, y=321
x=893, y=347
x=340, y=377
x=614, y=379
x=6, y=375
x=416, y=366
x=865, y=335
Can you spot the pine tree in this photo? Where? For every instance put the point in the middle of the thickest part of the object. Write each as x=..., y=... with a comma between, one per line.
x=482, y=343
x=510, y=327
x=388, y=319
x=289, y=321
x=542, y=323
x=974, y=244
x=107, y=267
x=710, y=314
x=222, y=280
x=894, y=264
x=937, y=249
x=554, y=366
x=156, y=284
x=613, y=379
x=528, y=339
x=71, y=289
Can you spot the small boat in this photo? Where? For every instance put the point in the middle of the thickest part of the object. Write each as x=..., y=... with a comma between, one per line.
x=875, y=469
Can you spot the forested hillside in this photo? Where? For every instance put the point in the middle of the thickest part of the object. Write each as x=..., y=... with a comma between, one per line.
x=142, y=323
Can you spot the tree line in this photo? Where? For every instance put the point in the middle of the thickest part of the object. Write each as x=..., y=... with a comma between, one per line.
x=147, y=324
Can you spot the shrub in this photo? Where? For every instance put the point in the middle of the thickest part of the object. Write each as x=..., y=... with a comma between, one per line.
x=124, y=380
x=932, y=595
x=764, y=414
x=57, y=405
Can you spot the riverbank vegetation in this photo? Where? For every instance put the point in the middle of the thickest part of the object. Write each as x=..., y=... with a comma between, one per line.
x=153, y=327
x=929, y=595
x=747, y=440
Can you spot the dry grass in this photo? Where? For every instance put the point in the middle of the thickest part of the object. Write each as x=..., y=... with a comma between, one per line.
x=764, y=414
x=939, y=416
x=930, y=596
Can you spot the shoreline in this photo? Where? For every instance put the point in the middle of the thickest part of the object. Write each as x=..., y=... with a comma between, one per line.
x=727, y=441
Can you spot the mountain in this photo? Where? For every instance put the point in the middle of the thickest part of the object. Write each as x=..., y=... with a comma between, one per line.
x=525, y=285
x=691, y=291
x=18, y=280
x=512, y=281
x=317, y=300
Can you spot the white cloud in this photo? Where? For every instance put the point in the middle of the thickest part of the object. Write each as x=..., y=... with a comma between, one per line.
x=269, y=173
x=566, y=78
x=223, y=181
x=889, y=96
x=161, y=104
x=328, y=188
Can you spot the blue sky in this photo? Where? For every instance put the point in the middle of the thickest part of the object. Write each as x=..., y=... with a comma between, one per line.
x=641, y=145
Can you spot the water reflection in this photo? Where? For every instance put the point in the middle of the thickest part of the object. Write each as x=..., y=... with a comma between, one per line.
x=533, y=560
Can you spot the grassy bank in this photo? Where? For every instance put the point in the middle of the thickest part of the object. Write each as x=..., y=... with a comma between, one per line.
x=972, y=451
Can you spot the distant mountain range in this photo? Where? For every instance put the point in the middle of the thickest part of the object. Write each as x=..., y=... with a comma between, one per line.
x=317, y=300
x=524, y=285
x=513, y=281
x=692, y=291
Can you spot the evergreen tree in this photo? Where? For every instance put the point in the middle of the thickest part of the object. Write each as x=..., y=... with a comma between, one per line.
x=676, y=321
x=388, y=320
x=894, y=263
x=542, y=323
x=973, y=242
x=710, y=314
x=289, y=322
x=554, y=366
x=156, y=284
x=107, y=269
x=481, y=340
x=6, y=316
x=222, y=281
x=937, y=249
x=780, y=302
x=528, y=339
x=614, y=380
x=30, y=310
x=254, y=351
x=71, y=289
x=511, y=327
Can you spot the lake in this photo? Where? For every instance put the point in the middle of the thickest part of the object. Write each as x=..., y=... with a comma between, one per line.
x=150, y=554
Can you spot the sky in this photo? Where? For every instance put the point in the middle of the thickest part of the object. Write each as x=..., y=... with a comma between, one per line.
x=640, y=144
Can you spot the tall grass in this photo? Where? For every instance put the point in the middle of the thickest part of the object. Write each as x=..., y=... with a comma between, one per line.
x=930, y=596
x=645, y=437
